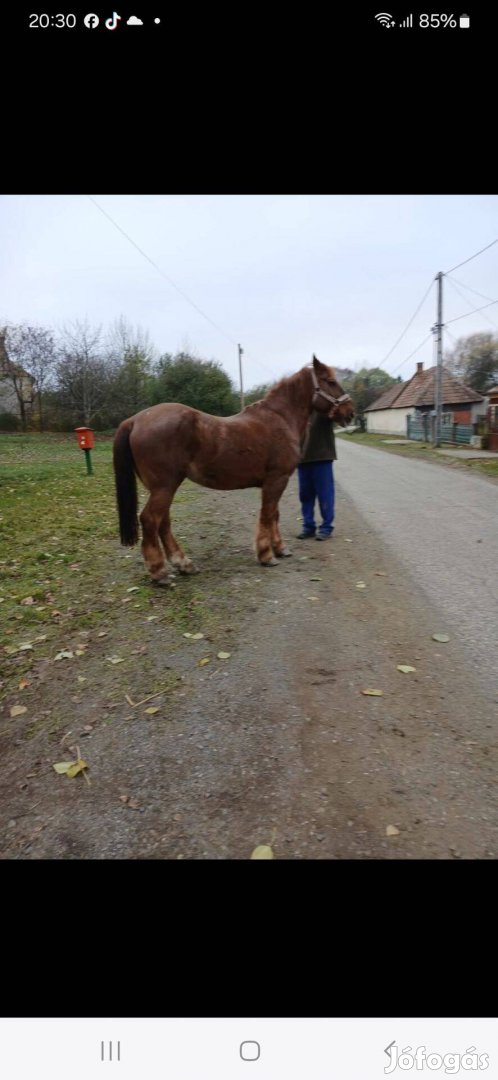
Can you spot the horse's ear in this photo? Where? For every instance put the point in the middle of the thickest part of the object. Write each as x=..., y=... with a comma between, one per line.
x=317, y=365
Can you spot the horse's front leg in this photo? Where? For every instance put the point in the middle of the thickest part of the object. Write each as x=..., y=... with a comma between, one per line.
x=268, y=533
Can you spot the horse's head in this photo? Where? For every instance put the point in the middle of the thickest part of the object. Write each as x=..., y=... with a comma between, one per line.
x=329, y=398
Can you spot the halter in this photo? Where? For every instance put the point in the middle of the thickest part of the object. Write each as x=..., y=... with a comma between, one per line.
x=317, y=390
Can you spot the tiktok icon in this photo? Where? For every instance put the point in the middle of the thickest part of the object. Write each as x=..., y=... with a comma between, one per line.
x=112, y=23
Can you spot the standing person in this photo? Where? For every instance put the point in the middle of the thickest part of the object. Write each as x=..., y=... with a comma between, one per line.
x=316, y=478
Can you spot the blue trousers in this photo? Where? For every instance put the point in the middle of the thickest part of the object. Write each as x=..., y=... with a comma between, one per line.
x=316, y=481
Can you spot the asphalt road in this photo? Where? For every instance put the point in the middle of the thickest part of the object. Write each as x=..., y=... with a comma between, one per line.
x=443, y=527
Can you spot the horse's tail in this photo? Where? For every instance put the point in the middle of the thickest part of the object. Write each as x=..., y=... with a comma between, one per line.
x=126, y=485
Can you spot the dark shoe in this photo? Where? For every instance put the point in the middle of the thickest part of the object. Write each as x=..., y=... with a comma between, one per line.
x=323, y=536
x=305, y=535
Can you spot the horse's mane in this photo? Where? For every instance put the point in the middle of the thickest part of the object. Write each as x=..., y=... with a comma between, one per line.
x=289, y=384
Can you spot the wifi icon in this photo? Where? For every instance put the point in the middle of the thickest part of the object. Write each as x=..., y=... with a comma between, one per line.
x=385, y=19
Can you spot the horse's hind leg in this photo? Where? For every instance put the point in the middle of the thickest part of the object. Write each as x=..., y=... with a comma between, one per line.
x=151, y=518
x=174, y=552
x=278, y=544
x=268, y=533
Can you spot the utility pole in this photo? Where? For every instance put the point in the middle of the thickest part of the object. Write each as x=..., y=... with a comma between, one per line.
x=439, y=362
x=240, y=371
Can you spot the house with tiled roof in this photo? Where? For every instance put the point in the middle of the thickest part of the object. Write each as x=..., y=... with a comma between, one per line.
x=391, y=412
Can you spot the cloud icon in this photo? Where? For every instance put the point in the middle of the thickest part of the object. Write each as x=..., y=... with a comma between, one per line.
x=133, y=21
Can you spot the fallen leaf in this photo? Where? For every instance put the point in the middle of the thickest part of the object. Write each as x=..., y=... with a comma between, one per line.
x=80, y=652
x=391, y=830
x=346, y=541
x=150, y=618
x=360, y=585
x=373, y=693
x=223, y=655
x=64, y=655
x=315, y=579
x=153, y=709
x=18, y=710
x=381, y=573
x=81, y=678
x=133, y=588
x=71, y=768
x=197, y=637
x=23, y=684
x=187, y=635
x=262, y=852
x=312, y=598
x=24, y=648
x=440, y=637
x=114, y=659
x=102, y=633
x=205, y=660
x=134, y=804
x=405, y=668
x=27, y=600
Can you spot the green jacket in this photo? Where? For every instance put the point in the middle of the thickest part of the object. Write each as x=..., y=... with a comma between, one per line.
x=319, y=440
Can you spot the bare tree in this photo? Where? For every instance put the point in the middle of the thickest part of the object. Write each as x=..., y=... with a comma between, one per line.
x=131, y=358
x=123, y=337
x=27, y=356
x=475, y=360
x=83, y=374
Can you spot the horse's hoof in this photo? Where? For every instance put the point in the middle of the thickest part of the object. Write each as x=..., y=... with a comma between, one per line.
x=188, y=568
x=285, y=553
x=271, y=562
x=159, y=577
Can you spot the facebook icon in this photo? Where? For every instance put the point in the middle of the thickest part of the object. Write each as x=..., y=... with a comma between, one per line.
x=91, y=21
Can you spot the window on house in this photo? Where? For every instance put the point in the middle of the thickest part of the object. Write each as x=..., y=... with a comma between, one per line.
x=447, y=418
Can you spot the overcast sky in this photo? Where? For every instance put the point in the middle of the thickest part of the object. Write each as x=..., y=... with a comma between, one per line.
x=284, y=275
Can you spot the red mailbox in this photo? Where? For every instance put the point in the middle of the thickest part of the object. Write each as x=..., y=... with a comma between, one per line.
x=85, y=438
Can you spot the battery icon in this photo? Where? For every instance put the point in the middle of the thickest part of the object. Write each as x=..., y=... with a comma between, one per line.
x=464, y=21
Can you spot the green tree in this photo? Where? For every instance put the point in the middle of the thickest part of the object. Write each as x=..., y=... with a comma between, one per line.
x=367, y=385
x=202, y=384
x=474, y=359
x=257, y=393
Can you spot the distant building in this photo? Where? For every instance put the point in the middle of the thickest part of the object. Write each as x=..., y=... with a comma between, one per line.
x=389, y=414
x=9, y=400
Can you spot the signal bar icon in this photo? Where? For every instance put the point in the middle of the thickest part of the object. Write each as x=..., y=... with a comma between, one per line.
x=408, y=21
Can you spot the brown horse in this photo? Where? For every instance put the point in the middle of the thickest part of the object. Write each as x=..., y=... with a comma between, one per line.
x=259, y=447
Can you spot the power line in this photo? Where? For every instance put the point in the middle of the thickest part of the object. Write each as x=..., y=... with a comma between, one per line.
x=466, y=316
x=407, y=326
x=464, y=286
x=171, y=282
x=473, y=309
x=471, y=257
x=161, y=272
x=412, y=354
x=452, y=336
